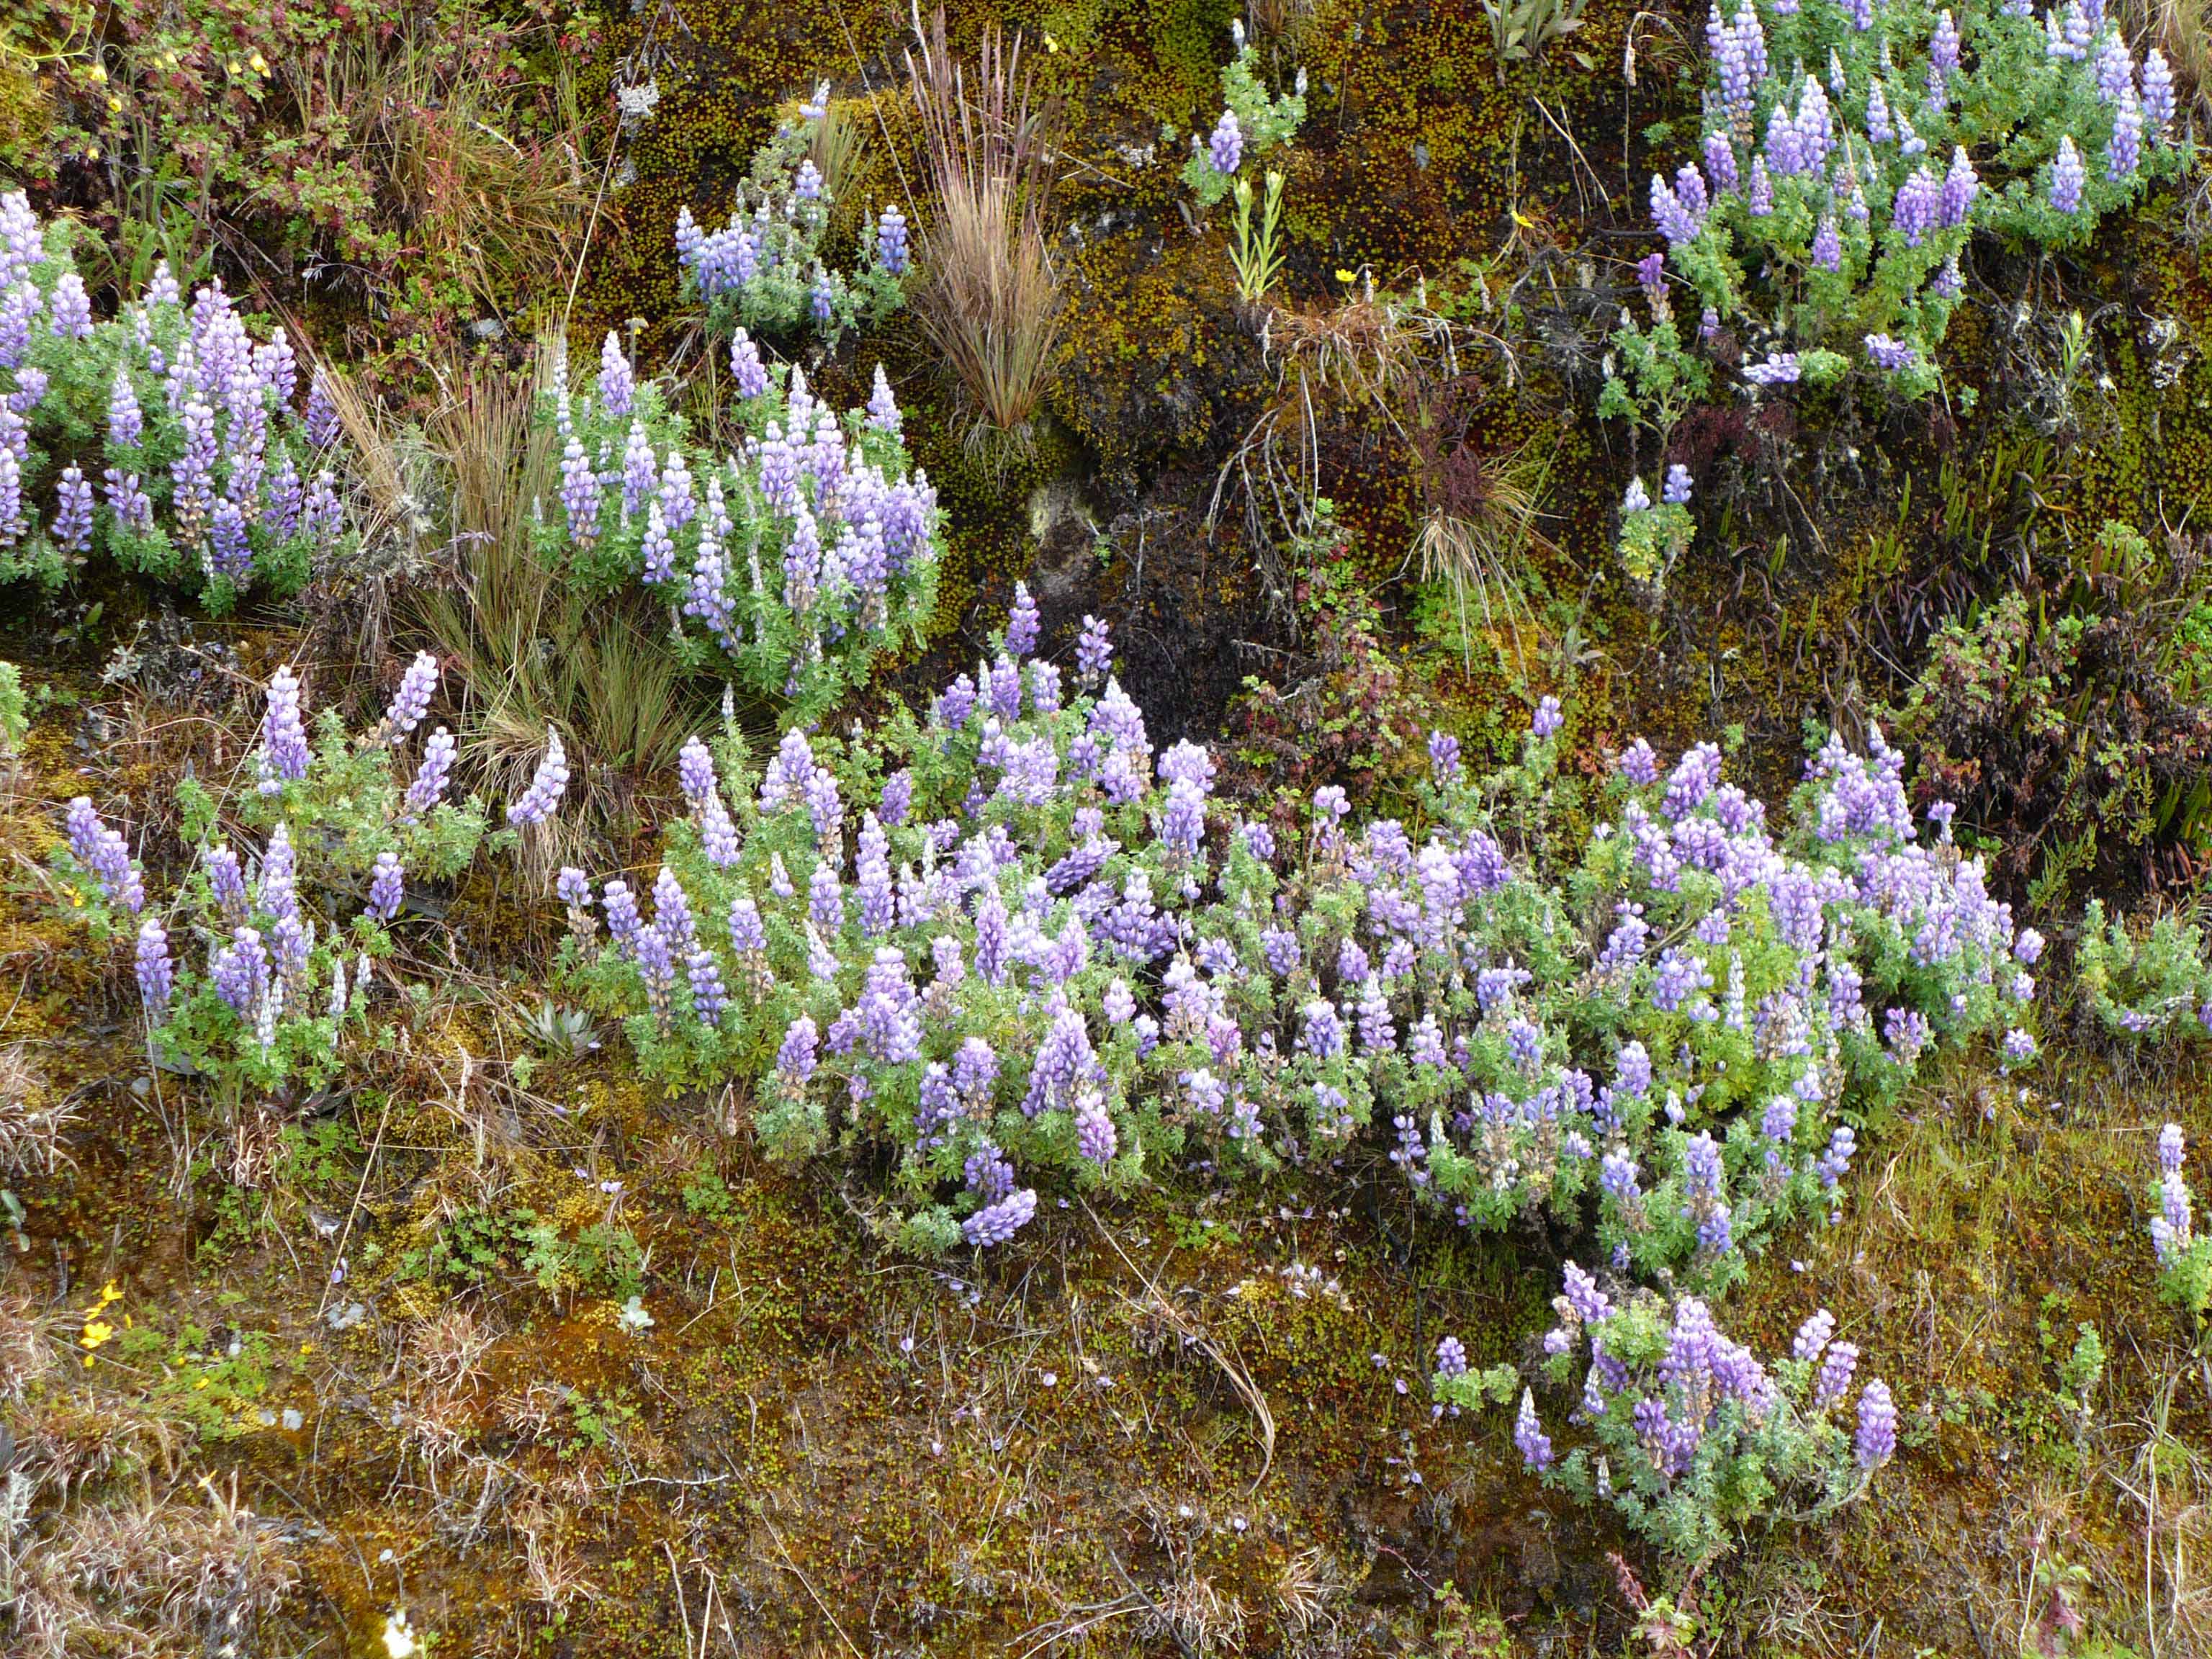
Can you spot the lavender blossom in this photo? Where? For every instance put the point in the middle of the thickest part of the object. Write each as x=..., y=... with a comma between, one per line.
x=1876, y=1442
x=283, y=757
x=429, y=787
x=2066, y=177
x=537, y=804
x=995, y=1224
x=386, y=887
x=157, y=974
x=1225, y=148
x=412, y=700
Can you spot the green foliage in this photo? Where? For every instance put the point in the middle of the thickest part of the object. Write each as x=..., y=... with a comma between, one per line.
x=2144, y=983
x=1650, y=380
x=1256, y=255
x=1520, y=29
x=478, y=1246
x=310, y=1013
x=250, y=516
x=790, y=590
x=15, y=712
x=1729, y=1456
x=1263, y=120
x=2073, y=726
x=2006, y=110
x=780, y=282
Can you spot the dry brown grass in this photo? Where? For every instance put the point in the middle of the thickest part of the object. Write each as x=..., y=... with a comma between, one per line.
x=32, y=1121
x=989, y=298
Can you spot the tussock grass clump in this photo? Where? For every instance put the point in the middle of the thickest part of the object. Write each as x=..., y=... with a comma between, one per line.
x=989, y=300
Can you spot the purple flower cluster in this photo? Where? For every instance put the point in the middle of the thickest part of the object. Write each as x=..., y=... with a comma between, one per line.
x=186, y=382
x=1040, y=883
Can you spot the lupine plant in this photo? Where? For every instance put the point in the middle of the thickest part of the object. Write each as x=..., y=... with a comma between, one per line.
x=788, y=564
x=2184, y=1255
x=767, y=269
x=166, y=436
x=1852, y=147
x=2147, y=982
x=256, y=970
x=1007, y=942
x=1689, y=1435
x=1252, y=123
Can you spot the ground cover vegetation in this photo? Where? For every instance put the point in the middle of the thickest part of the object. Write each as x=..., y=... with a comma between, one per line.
x=1108, y=828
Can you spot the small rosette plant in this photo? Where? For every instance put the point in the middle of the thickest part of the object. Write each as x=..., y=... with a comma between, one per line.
x=255, y=969
x=1687, y=1434
x=1252, y=121
x=166, y=437
x=788, y=564
x=1007, y=936
x=1851, y=149
x=768, y=271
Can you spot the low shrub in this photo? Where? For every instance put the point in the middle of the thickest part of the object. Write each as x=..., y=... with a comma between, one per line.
x=213, y=473
x=1891, y=134
x=787, y=563
x=768, y=269
x=1047, y=954
x=1689, y=1435
x=256, y=971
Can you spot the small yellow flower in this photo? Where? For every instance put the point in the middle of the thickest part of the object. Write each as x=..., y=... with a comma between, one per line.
x=114, y=105
x=1346, y=276
x=1050, y=45
x=96, y=1333
x=257, y=63
x=98, y=73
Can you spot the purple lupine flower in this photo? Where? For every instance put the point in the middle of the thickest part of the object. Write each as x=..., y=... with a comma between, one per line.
x=1674, y=489
x=618, y=380
x=1021, y=625
x=126, y=424
x=1443, y=757
x=322, y=414
x=891, y=241
x=1876, y=1442
x=2019, y=1048
x=1720, y=161
x=2171, y=1230
x=1095, y=1136
x=580, y=493
x=429, y=787
x=2173, y=1148
x=2157, y=91
x=1528, y=1436
x=746, y=366
x=283, y=757
x=994, y=1224
x=73, y=512
x=1549, y=717
x=1917, y=207
x=1836, y=1162
x=1670, y=216
x=1225, y=148
x=104, y=854
x=157, y=974
x=1891, y=355
x=239, y=971
x=1758, y=195
x=1638, y=764
x=822, y=299
x=1451, y=1358
x=1813, y=1335
x=412, y=700
x=2066, y=177
x=1879, y=128
x=883, y=407
x=1827, y=251
x=1636, y=498
x=536, y=803
x=1943, y=59
x=2123, y=154
x=385, y=886
x=1833, y=1381
x=695, y=770
x=987, y=1174
x=1960, y=186
x=1094, y=652
x=69, y=309
x=795, y=1061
